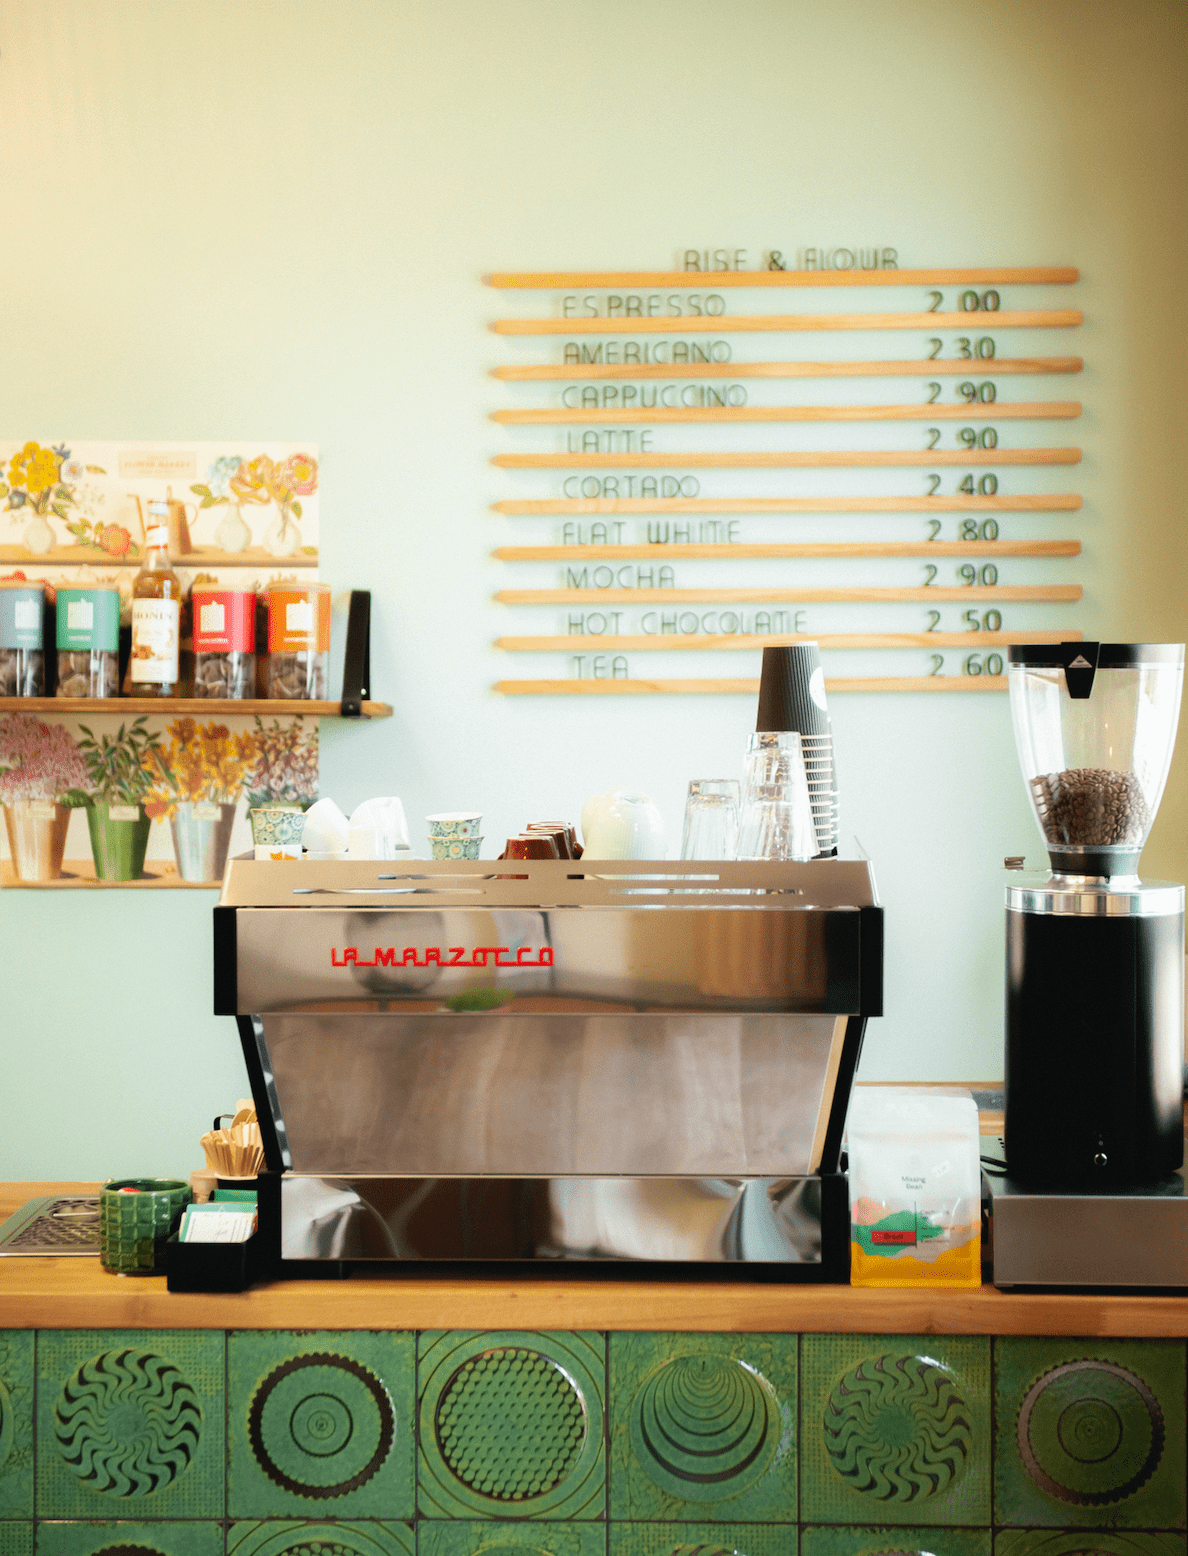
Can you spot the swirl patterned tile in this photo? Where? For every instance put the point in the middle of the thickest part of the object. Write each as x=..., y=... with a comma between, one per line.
x=511, y=1425
x=16, y=1539
x=129, y=1538
x=703, y=1427
x=130, y=1422
x=1093, y=1542
x=1090, y=1433
x=895, y=1429
x=830, y=1540
x=16, y=1423
x=316, y=1537
x=498, y=1538
x=320, y=1423
x=630, y=1539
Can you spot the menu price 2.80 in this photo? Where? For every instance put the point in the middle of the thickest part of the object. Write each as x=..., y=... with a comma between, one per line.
x=656, y=387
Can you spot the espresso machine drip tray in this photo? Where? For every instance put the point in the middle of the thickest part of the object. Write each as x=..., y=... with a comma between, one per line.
x=48, y=1226
x=634, y=1060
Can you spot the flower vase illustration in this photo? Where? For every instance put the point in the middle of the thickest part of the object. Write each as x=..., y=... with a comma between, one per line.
x=232, y=532
x=282, y=537
x=40, y=768
x=38, y=536
x=236, y=482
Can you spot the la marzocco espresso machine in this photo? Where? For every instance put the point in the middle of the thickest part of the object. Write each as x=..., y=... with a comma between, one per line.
x=1094, y=980
x=630, y=1061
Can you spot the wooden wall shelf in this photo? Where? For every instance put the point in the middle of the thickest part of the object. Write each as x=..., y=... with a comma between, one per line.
x=673, y=642
x=993, y=594
x=197, y=706
x=814, y=459
x=742, y=551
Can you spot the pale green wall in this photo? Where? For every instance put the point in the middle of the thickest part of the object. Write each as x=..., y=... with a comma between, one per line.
x=245, y=219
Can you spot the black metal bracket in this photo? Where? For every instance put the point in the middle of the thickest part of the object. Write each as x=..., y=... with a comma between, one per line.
x=356, y=667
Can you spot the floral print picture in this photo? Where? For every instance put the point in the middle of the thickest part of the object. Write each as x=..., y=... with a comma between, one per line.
x=243, y=504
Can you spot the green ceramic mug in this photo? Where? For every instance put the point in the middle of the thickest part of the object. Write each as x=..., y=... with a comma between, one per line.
x=136, y=1218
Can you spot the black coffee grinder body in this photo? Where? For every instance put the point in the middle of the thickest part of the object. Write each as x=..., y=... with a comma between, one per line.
x=1094, y=956
x=1094, y=1033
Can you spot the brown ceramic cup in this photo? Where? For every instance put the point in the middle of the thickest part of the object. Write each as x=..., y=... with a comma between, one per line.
x=558, y=833
x=570, y=831
x=532, y=845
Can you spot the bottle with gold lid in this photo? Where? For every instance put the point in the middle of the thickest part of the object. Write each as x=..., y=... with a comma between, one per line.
x=154, y=666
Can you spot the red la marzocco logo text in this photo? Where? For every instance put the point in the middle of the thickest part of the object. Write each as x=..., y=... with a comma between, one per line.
x=450, y=956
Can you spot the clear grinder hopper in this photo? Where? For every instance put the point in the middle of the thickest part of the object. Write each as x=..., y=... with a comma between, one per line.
x=1095, y=724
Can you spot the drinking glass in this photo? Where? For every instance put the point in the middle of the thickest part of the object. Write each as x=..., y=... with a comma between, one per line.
x=777, y=816
x=711, y=819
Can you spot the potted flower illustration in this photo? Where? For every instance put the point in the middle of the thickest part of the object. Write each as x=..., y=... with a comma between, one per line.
x=120, y=774
x=41, y=767
x=285, y=769
x=199, y=777
x=232, y=532
x=41, y=481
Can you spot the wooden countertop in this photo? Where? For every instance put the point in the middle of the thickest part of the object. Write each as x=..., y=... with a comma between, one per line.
x=49, y=1293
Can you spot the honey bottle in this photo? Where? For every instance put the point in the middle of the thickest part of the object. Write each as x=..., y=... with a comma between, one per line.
x=154, y=666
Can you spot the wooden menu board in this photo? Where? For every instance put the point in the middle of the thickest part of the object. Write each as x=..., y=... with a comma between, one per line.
x=660, y=390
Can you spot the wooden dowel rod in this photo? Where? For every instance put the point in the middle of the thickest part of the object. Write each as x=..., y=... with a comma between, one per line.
x=913, y=368
x=815, y=548
x=712, y=280
x=812, y=459
x=743, y=551
x=677, y=643
x=1039, y=410
x=994, y=594
x=608, y=688
x=1062, y=502
x=772, y=323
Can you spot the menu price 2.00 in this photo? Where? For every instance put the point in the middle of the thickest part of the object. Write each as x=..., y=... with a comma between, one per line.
x=648, y=351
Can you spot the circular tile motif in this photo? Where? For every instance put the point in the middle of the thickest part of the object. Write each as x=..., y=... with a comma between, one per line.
x=705, y=1427
x=1090, y=1432
x=321, y=1425
x=897, y=1428
x=129, y=1550
x=510, y=1424
x=128, y=1422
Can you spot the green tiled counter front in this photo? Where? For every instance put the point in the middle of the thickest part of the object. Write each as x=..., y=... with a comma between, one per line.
x=155, y=1442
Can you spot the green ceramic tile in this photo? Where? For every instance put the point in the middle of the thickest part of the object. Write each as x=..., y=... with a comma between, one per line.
x=16, y=1423
x=511, y=1425
x=494, y=1537
x=1090, y=1433
x=16, y=1539
x=311, y=1537
x=130, y=1421
x=320, y=1422
x=129, y=1539
x=834, y=1541
x=702, y=1540
x=703, y=1427
x=1072, y=1542
x=895, y=1429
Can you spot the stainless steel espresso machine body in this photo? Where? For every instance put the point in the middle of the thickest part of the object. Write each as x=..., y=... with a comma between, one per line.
x=640, y=1061
x=1094, y=973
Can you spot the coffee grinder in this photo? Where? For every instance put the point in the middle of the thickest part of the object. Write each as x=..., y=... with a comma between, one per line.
x=1094, y=974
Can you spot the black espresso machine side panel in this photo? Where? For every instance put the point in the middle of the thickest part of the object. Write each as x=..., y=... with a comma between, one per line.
x=1094, y=1048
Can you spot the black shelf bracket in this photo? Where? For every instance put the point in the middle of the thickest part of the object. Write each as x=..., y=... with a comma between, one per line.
x=356, y=668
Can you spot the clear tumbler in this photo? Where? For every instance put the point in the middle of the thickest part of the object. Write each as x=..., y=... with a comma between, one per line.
x=711, y=819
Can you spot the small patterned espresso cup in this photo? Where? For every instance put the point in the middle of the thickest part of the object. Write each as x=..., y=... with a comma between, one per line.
x=276, y=831
x=136, y=1218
